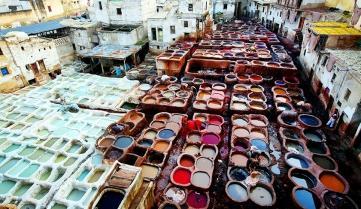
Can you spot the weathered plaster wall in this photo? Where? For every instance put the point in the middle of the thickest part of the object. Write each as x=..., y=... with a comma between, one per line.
x=347, y=5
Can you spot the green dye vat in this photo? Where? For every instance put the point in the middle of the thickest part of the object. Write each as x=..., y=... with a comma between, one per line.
x=75, y=195
x=37, y=154
x=62, y=144
x=74, y=147
x=50, y=142
x=22, y=189
x=45, y=175
x=28, y=206
x=12, y=116
x=8, y=165
x=29, y=171
x=60, y=158
x=45, y=157
x=83, y=174
x=43, y=133
x=19, y=167
x=6, y=185
x=18, y=126
x=33, y=119
x=69, y=162
x=59, y=174
x=95, y=177
x=11, y=148
x=27, y=151
x=2, y=158
x=58, y=206
x=41, y=193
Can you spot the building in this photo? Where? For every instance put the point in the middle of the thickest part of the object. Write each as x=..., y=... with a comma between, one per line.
x=83, y=33
x=288, y=18
x=181, y=20
x=125, y=12
x=121, y=34
x=16, y=12
x=226, y=9
x=333, y=67
x=29, y=59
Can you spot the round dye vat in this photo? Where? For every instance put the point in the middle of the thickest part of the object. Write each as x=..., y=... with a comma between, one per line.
x=166, y=134
x=309, y=120
x=215, y=120
x=214, y=104
x=161, y=146
x=208, y=151
x=303, y=178
x=240, y=122
x=194, y=137
x=211, y=138
x=237, y=192
x=201, y=179
x=264, y=160
x=324, y=162
x=257, y=122
x=261, y=195
x=256, y=89
x=173, y=126
x=280, y=83
x=169, y=206
x=260, y=144
x=241, y=132
x=306, y=199
x=335, y=200
x=297, y=161
x=312, y=135
x=178, y=103
x=333, y=182
x=106, y=142
x=181, y=176
x=197, y=199
x=116, y=128
x=239, y=105
x=175, y=194
x=265, y=175
x=240, y=144
x=291, y=134
x=214, y=128
x=150, y=134
x=257, y=133
x=191, y=149
x=201, y=117
x=318, y=148
x=145, y=142
x=204, y=164
x=279, y=91
x=186, y=161
x=123, y=142
x=283, y=106
x=293, y=146
x=200, y=105
x=157, y=124
x=239, y=159
x=113, y=154
x=238, y=173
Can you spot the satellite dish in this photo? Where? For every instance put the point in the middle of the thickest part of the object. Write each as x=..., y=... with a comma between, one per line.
x=358, y=3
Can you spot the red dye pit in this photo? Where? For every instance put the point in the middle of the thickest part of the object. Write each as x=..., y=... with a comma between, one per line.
x=186, y=161
x=182, y=176
x=215, y=120
x=197, y=200
x=210, y=138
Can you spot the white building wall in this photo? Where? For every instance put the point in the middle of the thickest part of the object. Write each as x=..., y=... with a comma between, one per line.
x=122, y=38
x=32, y=50
x=64, y=49
x=56, y=8
x=228, y=12
x=82, y=38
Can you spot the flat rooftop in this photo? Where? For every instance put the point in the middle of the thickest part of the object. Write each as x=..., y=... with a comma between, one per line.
x=350, y=58
x=334, y=28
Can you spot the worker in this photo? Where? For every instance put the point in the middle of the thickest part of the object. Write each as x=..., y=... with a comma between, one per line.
x=333, y=118
x=118, y=71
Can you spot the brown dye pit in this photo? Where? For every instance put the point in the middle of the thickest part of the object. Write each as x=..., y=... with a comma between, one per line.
x=192, y=149
x=204, y=164
x=161, y=146
x=239, y=159
x=241, y=132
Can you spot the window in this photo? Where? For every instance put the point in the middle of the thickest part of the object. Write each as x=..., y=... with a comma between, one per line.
x=154, y=34
x=172, y=29
x=119, y=11
x=4, y=71
x=225, y=6
x=100, y=5
x=185, y=24
x=257, y=7
x=160, y=34
x=324, y=61
x=262, y=9
x=206, y=5
x=186, y=35
x=1, y=52
x=22, y=48
x=270, y=13
x=333, y=78
x=347, y=94
x=49, y=8
x=190, y=7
